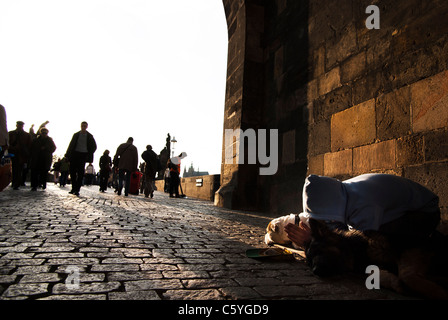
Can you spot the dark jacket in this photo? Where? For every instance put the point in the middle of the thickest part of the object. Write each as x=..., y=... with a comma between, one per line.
x=152, y=161
x=91, y=146
x=127, y=156
x=20, y=145
x=42, y=153
x=105, y=164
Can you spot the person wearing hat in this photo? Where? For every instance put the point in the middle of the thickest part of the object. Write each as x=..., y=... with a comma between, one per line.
x=19, y=145
x=42, y=150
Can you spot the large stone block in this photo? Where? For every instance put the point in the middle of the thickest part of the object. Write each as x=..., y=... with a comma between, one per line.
x=318, y=62
x=410, y=150
x=312, y=90
x=369, y=86
x=333, y=102
x=433, y=176
x=436, y=145
x=378, y=52
x=329, y=81
x=430, y=103
x=374, y=157
x=338, y=163
x=353, y=127
x=316, y=164
x=353, y=67
x=393, y=114
x=341, y=46
x=319, y=140
x=416, y=65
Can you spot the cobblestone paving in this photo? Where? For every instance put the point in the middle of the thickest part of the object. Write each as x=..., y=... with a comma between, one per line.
x=136, y=248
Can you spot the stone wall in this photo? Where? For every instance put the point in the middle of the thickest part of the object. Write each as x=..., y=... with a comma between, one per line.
x=199, y=187
x=266, y=89
x=346, y=99
x=285, y=101
x=379, y=98
x=244, y=99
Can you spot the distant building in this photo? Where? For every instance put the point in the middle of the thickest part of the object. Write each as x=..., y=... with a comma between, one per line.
x=192, y=173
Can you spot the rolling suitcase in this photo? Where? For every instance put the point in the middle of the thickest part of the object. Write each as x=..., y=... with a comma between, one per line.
x=134, y=186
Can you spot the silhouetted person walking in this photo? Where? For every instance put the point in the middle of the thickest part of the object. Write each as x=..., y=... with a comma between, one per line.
x=42, y=150
x=151, y=167
x=105, y=169
x=20, y=146
x=79, y=152
x=126, y=159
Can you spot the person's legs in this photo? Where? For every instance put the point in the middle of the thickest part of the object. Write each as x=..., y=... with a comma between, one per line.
x=104, y=176
x=149, y=177
x=77, y=167
x=63, y=179
x=73, y=176
x=43, y=177
x=34, y=179
x=17, y=169
x=149, y=190
x=151, y=186
x=121, y=173
x=74, y=164
x=79, y=176
x=175, y=181
x=127, y=182
x=174, y=185
x=146, y=185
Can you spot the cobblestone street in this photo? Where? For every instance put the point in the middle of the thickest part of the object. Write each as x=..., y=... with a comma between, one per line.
x=134, y=248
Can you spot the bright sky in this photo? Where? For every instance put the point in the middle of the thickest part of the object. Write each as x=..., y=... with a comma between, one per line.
x=140, y=68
